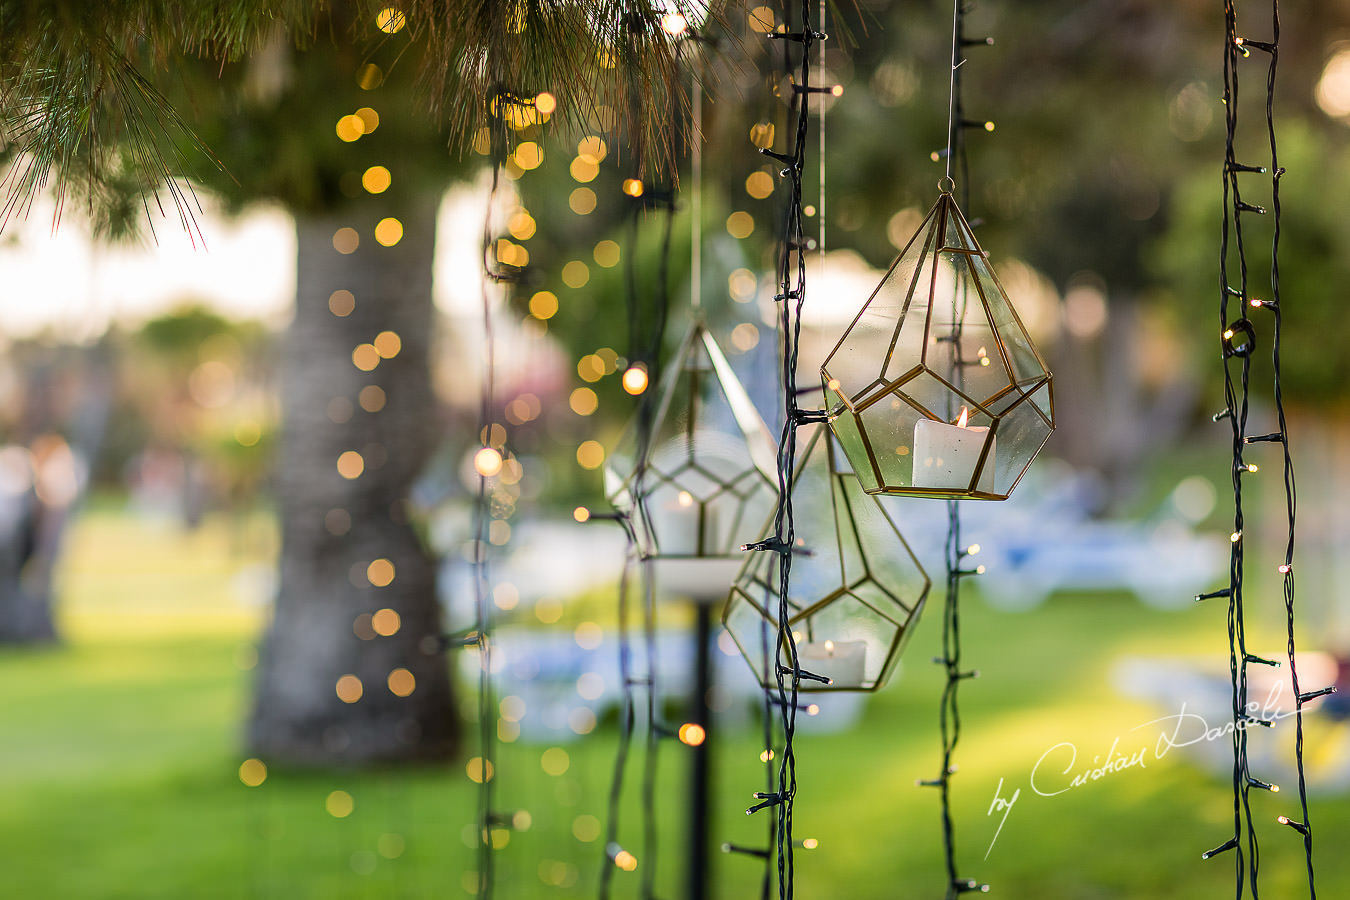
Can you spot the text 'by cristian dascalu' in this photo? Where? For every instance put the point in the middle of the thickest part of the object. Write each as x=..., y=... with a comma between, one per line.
x=1062, y=768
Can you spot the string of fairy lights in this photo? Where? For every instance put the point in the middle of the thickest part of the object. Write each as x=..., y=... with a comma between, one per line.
x=791, y=297
x=956, y=552
x=1238, y=342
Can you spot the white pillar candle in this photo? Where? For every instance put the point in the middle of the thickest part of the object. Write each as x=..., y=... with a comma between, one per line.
x=678, y=522
x=843, y=662
x=945, y=455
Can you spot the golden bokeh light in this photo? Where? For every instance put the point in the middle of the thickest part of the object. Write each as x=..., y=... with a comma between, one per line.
x=482, y=142
x=389, y=231
x=745, y=336
x=583, y=169
x=635, y=380
x=387, y=344
x=506, y=596
x=512, y=254
x=555, y=761
x=376, y=179
x=349, y=128
x=582, y=201
x=499, y=533
x=529, y=155
x=546, y=103
x=762, y=134
x=674, y=24
x=521, y=225
x=634, y=187
x=586, y=828
x=583, y=401
x=762, y=19
x=590, y=455
x=369, y=118
x=576, y=274
x=548, y=610
x=380, y=572
x=606, y=254
x=512, y=708
x=544, y=305
x=692, y=734
x=351, y=464
x=593, y=149
x=588, y=635
x=591, y=368
x=349, y=688
x=581, y=720
x=247, y=433
x=369, y=77
x=390, y=20
x=341, y=303
x=479, y=770
x=372, y=398
x=512, y=470
x=385, y=622
x=346, y=240
x=487, y=462
x=742, y=284
x=252, y=772
x=625, y=860
x=759, y=185
x=365, y=357
x=493, y=435
x=740, y=224
x=581, y=514
x=401, y=683
x=339, y=804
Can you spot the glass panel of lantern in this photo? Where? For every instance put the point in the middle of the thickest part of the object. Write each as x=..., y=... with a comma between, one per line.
x=936, y=389
x=855, y=590
x=695, y=472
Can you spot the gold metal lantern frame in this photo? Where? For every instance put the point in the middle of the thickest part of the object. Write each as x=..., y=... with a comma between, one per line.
x=697, y=478
x=856, y=589
x=936, y=389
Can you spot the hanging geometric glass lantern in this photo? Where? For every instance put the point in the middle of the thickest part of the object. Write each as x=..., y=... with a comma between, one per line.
x=698, y=479
x=856, y=588
x=936, y=389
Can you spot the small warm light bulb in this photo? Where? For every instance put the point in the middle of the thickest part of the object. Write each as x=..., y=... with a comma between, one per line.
x=810, y=843
x=813, y=709
x=979, y=570
x=766, y=756
x=796, y=637
x=581, y=514
x=633, y=187
x=546, y=103
x=837, y=90
x=989, y=126
x=674, y=24
x=692, y=734
x=487, y=462
x=1285, y=569
x=1235, y=537
x=1256, y=302
x=685, y=499
x=635, y=380
x=972, y=550
x=829, y=647
x=1228, y=334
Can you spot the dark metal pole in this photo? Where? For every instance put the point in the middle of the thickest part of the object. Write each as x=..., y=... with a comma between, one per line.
x=700, y=874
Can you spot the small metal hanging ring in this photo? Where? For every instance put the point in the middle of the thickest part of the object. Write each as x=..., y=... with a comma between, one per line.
x=1241, y=339
x=946, y=185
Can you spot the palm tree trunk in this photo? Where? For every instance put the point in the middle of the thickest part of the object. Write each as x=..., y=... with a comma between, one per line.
x=331, y=683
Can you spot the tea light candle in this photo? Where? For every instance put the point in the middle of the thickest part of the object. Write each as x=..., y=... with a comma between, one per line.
x=945, y=455
x=843, y=662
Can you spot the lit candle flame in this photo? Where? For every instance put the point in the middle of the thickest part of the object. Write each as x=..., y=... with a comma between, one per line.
x=965, y=417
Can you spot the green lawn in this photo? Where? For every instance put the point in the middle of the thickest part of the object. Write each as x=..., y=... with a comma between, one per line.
x=120, y=750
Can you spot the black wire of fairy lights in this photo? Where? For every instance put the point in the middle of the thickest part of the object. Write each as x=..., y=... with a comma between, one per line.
x=956, y=553
x=791, y=294
x=647, y=313
x=481, y=635
x=1238, y=341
